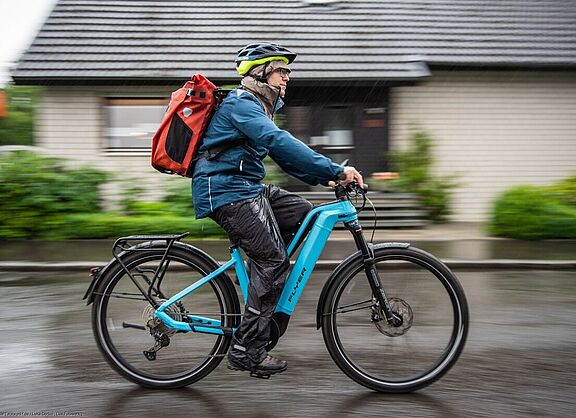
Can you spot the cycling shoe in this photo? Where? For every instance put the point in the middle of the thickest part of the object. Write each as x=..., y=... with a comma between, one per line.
x=266, y=368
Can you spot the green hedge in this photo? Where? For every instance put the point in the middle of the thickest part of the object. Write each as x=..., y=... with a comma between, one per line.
x=110, y=225
x=565, y=190
x=34, y=188
x=17, y=127
x=40, y=197
x=529, y=212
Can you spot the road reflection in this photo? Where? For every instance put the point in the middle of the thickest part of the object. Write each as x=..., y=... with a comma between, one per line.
x=196, y=402
x=519, y=360
x=180, y=402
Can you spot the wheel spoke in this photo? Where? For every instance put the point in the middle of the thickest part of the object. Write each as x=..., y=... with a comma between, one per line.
x=367, y=304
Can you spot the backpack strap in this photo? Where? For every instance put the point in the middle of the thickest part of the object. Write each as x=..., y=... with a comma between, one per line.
x=212, y=154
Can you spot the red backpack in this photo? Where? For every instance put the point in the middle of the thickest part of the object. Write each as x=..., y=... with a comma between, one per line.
x=175, y=144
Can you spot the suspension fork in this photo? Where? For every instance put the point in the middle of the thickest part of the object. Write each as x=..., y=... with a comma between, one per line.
x=371, y=273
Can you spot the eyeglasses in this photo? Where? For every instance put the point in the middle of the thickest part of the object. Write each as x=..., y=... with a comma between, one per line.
x=284, y=73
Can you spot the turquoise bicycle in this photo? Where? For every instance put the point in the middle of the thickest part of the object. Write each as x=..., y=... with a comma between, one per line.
x=394, y=318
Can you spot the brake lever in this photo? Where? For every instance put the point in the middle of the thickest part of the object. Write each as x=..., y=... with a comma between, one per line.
x=355, y=187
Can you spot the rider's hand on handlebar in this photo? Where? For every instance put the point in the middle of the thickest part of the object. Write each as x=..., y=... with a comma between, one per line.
x=349, y=175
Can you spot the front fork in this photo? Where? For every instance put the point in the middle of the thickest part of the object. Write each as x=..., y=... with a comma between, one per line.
x=372, y=274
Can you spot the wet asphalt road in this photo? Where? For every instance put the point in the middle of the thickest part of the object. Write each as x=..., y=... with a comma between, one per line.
x=520, y=360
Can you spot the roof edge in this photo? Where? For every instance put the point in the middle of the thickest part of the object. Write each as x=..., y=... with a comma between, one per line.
x=140, y=81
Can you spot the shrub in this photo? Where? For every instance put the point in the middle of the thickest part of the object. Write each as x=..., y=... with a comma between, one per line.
x=529, y=212
x=110, y=225
x=41, y=198
x=415, y=168
x=17, y=128
x=274, y=174
x=565, y=190
x=147, y=209
x=34, y=188
x=176, y=201
x=179, y=199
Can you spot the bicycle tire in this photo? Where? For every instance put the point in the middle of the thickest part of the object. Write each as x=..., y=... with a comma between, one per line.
x=412, y=356
x=123, y=346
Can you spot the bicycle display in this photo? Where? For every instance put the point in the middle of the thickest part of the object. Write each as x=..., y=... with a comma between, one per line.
x=394, y=318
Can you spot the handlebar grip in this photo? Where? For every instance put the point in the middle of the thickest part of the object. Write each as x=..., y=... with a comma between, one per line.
x=363, y=189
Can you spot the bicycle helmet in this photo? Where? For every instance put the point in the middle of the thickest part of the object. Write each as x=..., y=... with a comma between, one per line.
x=260, y=53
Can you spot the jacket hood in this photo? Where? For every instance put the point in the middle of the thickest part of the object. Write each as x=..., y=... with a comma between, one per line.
x=269, y=96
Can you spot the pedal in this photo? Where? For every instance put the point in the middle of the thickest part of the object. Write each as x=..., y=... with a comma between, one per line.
x=252, y=373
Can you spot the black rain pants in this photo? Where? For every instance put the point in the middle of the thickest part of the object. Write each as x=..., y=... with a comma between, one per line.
x=262, y=227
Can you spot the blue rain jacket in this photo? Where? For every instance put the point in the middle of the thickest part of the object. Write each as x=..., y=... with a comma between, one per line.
x=237, y=173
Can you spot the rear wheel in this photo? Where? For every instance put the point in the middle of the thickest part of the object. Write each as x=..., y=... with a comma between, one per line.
x=125, y=327
x=428, y=298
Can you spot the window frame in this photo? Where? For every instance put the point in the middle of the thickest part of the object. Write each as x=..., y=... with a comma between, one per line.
x=128, y=100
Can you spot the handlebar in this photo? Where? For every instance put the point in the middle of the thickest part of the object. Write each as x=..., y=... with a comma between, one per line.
x=352, y=189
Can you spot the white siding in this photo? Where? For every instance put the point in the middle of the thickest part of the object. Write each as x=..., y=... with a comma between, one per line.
x=68, y=123
x=71, y=124
x=493, y=128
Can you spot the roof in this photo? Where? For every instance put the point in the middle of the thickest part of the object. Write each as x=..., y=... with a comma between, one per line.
x=335, y=40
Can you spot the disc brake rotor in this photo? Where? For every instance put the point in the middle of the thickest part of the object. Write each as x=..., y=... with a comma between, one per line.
x=400, y=308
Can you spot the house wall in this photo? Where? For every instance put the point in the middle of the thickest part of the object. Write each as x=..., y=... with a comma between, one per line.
x=494, y=129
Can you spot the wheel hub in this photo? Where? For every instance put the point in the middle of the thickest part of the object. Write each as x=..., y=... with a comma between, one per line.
x=154, y=324
x=401, y=309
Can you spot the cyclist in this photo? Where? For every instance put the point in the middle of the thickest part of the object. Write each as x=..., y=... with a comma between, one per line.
x=261, y=219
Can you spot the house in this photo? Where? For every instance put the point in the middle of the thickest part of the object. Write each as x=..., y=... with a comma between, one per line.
x=493, y=81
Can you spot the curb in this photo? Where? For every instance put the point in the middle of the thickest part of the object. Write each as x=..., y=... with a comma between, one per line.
x=84, y=266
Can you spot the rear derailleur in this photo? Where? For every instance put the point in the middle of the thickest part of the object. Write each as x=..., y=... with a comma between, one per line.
x=158, y=330
x=162, y=340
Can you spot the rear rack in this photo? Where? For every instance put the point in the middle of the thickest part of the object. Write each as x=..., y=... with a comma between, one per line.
x=123, y=244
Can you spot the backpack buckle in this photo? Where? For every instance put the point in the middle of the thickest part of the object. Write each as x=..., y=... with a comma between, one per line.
x=192, y=92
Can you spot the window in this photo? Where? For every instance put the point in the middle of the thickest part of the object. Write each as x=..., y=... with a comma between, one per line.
x=338, y=127
x=337, y=130
x=132, y=122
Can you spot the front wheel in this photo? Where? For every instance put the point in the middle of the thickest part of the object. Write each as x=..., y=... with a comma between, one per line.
x=409, y=356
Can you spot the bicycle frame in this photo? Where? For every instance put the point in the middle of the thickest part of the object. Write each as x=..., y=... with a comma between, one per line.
x=154, y=262
x=319, y=222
